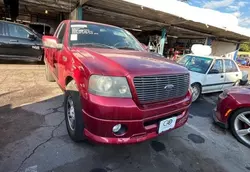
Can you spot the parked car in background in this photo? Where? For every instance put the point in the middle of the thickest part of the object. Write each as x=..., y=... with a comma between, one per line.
x=41, y=28
x=19, y=42
x=242, y=61
x=233, y=112
x=115, y=91
x=212, y=74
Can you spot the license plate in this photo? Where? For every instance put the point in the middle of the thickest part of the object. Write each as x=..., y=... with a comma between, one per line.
x=167, y=124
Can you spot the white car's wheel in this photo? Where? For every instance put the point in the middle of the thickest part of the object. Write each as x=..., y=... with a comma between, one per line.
x=196, y=92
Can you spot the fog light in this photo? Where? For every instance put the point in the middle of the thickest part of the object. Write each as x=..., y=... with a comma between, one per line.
x=116, y=128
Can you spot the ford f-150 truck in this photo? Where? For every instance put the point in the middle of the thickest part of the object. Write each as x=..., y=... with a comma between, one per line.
x=115, y=91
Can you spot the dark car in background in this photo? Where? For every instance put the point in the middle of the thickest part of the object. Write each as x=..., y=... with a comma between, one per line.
x=19, y=42
x=41, y=28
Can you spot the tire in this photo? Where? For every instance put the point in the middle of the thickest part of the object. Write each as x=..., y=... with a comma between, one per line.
x=48, y=75
x=75, y=127
x=196, y=92
x=243, y=82
x=234, y=120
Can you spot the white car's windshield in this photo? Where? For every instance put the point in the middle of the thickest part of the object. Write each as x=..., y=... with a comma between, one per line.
x=102, y=36
x=196, y=63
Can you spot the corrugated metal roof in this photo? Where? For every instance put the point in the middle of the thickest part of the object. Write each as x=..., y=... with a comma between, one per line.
x=130, y=15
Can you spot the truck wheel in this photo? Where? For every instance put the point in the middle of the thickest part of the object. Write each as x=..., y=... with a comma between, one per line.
x=73, y=112
x=240, y=125
x=196, y=92
x=48, y=75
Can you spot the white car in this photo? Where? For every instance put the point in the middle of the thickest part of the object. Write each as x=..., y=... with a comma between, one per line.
x=212, y=74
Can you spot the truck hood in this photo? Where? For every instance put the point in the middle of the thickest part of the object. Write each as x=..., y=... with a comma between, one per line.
x=124, y=62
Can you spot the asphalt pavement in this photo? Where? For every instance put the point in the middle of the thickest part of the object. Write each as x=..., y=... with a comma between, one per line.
x=34, y=137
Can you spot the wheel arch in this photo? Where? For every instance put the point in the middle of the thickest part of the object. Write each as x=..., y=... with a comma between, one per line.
x=234, y=111
x=68, y=79
x=198, y=83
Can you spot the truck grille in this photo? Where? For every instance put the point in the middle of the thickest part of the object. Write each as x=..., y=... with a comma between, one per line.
x=161, y=87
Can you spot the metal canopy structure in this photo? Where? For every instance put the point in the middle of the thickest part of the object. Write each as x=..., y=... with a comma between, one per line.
x=127, y=15
x=130, y=15
x=29, y=8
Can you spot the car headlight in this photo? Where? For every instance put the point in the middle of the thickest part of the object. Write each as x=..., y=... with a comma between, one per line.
x=109, y=86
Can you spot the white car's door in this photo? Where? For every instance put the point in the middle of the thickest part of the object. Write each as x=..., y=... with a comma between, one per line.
x=232, y=73
x=215, y=77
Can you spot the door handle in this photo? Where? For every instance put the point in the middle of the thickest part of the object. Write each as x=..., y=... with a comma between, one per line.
x=13, y=40
x=222, y=76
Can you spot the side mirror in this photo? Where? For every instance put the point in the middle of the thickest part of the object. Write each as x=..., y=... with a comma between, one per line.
x=51, y=42
x=213, y=71
x=32, y=37
x=144, y=47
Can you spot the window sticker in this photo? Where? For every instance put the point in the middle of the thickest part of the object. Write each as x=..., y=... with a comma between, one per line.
x=77, y=30
x=79, y=25
x=73, y=37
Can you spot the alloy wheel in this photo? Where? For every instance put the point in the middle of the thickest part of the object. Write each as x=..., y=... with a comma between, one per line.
x=71, y=113
x=242, y=126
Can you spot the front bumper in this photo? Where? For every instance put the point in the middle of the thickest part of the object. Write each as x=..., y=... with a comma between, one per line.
x=138, y=130
x=101, y=114
x=216, y=115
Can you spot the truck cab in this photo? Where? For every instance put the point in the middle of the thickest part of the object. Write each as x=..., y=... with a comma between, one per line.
x=115, y=91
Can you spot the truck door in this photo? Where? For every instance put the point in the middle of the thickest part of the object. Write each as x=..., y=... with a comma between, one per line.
x=56, y=53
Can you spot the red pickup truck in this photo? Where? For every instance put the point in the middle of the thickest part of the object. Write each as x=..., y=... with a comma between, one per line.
x=115, y=91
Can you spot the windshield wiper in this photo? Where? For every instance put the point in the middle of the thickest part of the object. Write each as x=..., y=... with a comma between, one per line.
x=96, y=45
x=126, y=48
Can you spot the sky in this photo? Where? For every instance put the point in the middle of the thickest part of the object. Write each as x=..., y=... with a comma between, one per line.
x=239, y=8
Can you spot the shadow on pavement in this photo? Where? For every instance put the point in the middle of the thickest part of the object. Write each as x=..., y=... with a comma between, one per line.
x=16, y=124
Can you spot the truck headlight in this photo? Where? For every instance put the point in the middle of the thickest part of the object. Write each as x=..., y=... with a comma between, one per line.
x=109, y=86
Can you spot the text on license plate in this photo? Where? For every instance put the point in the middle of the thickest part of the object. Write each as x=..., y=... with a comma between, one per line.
x=167, y=124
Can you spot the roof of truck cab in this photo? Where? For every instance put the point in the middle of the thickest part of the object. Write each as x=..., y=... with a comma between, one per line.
x=89, y=22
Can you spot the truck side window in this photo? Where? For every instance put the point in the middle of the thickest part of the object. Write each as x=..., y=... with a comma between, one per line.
x=60, y=34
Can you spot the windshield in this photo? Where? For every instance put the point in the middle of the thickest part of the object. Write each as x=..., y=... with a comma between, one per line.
x=196, y=63
x=93, y=35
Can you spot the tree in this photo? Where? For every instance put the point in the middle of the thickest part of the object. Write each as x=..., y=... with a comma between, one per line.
x=245, y=47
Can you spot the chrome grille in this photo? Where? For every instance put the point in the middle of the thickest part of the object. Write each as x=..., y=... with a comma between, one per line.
x=161, y=87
